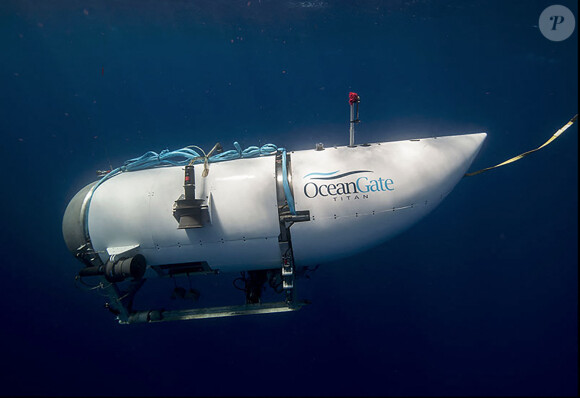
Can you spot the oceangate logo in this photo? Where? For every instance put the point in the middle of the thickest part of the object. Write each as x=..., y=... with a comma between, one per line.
x=345, y=190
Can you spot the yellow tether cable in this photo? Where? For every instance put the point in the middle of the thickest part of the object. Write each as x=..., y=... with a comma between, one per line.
x=552, y=138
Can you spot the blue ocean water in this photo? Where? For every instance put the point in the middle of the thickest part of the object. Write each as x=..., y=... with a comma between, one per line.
x=479, y=298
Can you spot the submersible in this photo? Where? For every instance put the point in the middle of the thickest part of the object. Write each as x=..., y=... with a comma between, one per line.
x=266, y=212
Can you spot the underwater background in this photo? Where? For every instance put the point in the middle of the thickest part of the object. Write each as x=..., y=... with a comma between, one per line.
x=478, y=298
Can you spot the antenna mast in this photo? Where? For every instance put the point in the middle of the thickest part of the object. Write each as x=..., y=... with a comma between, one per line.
x=353, y=98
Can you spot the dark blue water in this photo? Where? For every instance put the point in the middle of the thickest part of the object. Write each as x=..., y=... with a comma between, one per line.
x=479, y=298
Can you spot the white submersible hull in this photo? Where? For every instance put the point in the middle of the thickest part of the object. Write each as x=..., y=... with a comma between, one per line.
x=277, y=212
